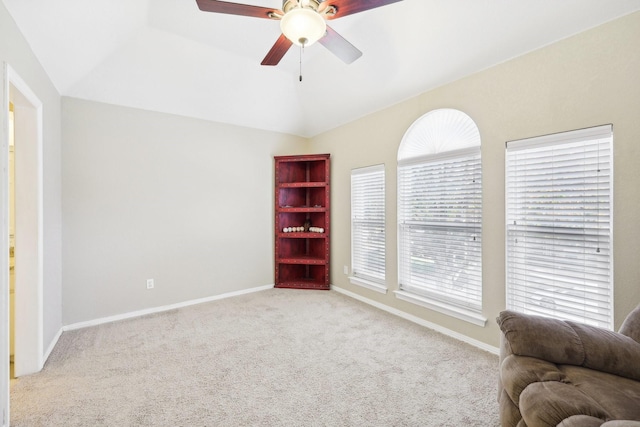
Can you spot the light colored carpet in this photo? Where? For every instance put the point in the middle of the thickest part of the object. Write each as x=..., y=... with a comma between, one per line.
x=273, y=358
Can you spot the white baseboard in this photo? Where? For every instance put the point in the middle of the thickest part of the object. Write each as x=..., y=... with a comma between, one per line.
x=54, y=341
x=419, y=321
x=160, y=309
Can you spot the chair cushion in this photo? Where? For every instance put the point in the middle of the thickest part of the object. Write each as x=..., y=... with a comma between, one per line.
x=583, y=397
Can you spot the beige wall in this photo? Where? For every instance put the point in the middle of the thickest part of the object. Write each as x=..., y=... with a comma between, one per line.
x=189, y=202
x=148, y=195
x=587, y=80
x=15, y=51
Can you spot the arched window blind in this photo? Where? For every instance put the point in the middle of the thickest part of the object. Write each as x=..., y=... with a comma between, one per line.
x=559, y=221
x=440, y=211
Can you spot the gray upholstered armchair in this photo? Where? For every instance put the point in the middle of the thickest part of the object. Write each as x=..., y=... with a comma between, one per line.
x=561, y=373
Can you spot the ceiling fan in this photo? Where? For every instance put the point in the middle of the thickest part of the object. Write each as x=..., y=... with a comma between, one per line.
x=303, y=22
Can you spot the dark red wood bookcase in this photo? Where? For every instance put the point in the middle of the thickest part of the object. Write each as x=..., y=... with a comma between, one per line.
x=302, y=199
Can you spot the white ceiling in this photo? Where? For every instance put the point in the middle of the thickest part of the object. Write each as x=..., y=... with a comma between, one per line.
x=168, y=56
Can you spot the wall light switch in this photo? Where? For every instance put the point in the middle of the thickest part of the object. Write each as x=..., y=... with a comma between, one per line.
x=150, y=284
x=346, y=269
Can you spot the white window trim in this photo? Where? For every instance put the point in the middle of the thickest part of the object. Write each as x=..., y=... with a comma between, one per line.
x=374, y=286
x=450, y=310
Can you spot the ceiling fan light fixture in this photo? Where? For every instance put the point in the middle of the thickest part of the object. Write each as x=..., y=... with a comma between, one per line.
x=303, y=26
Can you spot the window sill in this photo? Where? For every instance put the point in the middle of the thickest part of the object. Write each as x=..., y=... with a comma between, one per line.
x=449, y=310
x=368, y=284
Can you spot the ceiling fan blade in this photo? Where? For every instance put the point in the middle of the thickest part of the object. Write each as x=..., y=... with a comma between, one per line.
x=278, y=50
x=339, y=46
x=349, y=7
x=237, y=9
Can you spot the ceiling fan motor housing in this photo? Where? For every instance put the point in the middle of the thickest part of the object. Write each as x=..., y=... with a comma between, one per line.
x=287, y=5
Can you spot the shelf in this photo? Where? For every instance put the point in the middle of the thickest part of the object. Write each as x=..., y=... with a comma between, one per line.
x=302, y=170
x=303, y=184
x=295, y=209
x=302, y=235
x=302, y=199
x=297, y=158
x=303, y=284
x=304, y=260
x=296, y=218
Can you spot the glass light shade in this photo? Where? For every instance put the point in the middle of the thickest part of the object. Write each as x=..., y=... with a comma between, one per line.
x=303, y=26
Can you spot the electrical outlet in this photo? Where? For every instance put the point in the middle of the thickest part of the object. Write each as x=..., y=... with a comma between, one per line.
x=150, y=284
x=345, y=269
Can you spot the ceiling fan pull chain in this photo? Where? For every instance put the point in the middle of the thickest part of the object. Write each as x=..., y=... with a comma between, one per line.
x=301, y=51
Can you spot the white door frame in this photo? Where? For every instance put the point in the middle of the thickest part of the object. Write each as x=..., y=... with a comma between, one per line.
x=4, y=251
x=29, y=355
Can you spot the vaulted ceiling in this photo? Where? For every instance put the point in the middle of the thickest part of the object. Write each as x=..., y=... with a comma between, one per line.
x=168, y=56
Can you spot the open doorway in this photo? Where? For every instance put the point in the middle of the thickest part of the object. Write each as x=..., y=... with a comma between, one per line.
x=22, y=233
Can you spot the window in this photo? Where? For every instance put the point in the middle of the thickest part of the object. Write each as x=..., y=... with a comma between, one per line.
x=559, y=226
x=368, y=228
x=440, y=215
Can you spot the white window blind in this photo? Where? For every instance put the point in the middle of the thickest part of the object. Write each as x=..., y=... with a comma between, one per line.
x=440, y=227
x=559, y=257
x=368, y=223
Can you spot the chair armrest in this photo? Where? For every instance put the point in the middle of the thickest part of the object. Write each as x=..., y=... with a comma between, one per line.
x=540, y=337
x=631, y=325
x=570, y=343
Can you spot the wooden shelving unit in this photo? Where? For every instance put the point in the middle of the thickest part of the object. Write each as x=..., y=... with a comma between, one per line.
x=302, y=201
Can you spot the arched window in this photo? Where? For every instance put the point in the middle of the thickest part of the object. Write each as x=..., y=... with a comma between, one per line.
x=440, y=214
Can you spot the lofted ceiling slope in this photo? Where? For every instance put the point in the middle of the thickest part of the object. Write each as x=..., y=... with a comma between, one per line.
x=168, y=56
